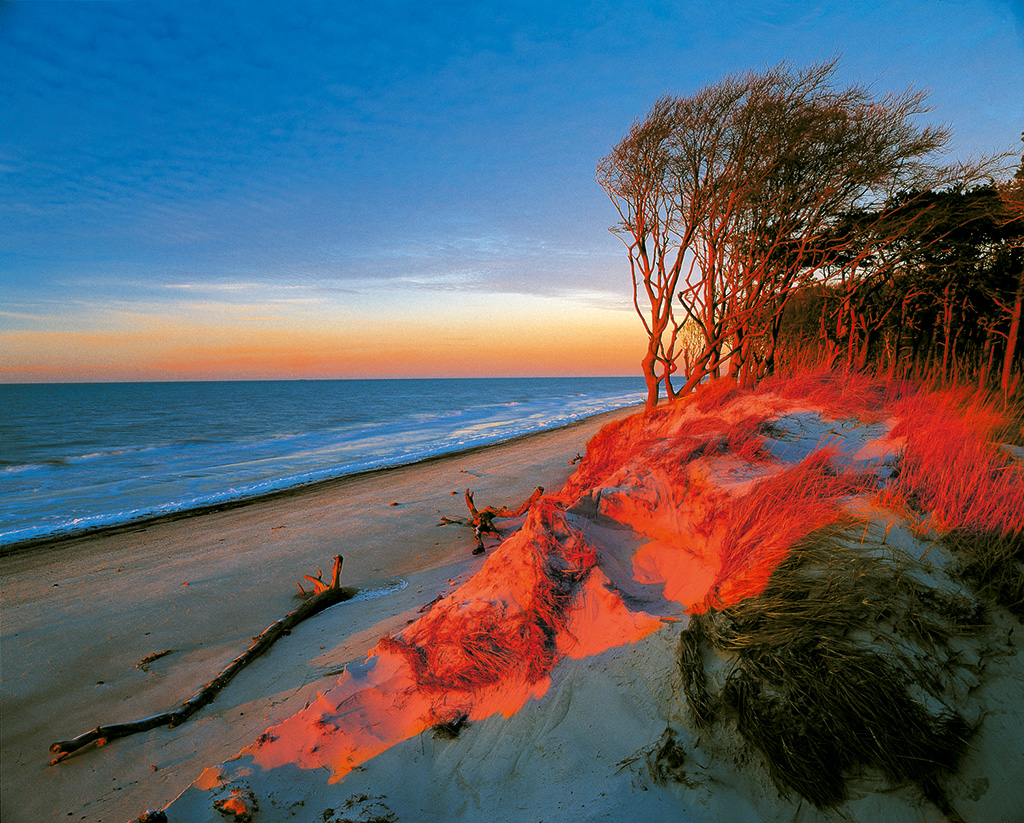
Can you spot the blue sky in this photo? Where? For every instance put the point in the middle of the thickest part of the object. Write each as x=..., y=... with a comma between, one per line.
x=409, y=180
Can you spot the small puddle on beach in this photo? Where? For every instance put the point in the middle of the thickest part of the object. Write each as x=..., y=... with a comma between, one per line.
x=383, y=590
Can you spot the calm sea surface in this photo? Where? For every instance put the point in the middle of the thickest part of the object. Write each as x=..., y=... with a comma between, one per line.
x=75, y=457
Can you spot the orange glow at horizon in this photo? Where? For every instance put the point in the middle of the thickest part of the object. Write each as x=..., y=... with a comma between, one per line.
x=505, y=343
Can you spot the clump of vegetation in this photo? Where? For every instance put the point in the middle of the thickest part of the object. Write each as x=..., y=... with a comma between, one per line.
x=956, y=475
x=360, y=808
x=839, y=393
x=483, y=642
x=759, y=528
x=842, y=663
x=952, y=466
x=668, y=760
x=993, y=563
x=450, y=729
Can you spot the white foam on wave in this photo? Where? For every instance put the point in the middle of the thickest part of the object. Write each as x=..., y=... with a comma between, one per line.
x=129, y=483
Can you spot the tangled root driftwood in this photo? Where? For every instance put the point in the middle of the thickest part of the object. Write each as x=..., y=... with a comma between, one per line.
x=324, y=596
x=483, y=521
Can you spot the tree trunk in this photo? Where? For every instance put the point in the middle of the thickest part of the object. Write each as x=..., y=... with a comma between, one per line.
x=986, y=360
x=1011, y=337
x=947, y=331
x=647, y=366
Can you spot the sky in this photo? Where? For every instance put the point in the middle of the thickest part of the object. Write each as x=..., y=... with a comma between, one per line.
x=330, y=189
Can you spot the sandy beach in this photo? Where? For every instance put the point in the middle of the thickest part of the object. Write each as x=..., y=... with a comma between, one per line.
x=791, y=604
x=78, y=615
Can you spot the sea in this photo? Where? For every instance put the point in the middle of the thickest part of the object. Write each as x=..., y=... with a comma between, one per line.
x=78, y=457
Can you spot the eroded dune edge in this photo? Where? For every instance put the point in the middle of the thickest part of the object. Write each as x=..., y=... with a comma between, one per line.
x=795, y=603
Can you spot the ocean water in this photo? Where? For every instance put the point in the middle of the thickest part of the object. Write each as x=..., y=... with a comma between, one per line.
x=76, y=457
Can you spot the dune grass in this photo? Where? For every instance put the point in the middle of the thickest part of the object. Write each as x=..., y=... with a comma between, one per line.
x=841, y=664
x=993, y=564
x=464, y=646
x=828, y=653
x=758, y=529
x=953, y=466
x=955, y=474
x=838, y=393
x=831, y=658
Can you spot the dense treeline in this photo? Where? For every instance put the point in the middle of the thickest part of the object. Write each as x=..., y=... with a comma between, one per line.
x=779, y=214
x=944, y=303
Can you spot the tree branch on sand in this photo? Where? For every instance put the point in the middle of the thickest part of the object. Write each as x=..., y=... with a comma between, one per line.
x=324, y=596
x=483, y=521
x=319, y=587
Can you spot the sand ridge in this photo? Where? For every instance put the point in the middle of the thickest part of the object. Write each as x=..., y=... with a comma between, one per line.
x=555, y=666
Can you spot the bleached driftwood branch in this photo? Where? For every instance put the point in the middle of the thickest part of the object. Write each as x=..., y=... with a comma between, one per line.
x=324, y=597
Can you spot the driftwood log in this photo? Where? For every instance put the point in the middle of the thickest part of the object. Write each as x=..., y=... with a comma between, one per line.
x=325, y=595
x=483, y=521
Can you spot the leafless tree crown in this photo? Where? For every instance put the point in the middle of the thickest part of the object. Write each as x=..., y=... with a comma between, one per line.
x=733, y=197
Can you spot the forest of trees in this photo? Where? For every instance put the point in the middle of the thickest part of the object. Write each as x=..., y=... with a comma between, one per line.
x=948, y=306
x=778, y=216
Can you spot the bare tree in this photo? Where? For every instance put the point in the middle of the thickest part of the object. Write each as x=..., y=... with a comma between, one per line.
x=1011, y=194
x=635, y=177
x=732, y=198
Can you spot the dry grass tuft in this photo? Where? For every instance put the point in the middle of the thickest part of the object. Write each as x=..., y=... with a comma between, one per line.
x=609, y=449
x=952, y=466
x=759, y=528
x=745, y=439
x=667, y=760
x=838, y=393
x=717, y=393
x=452, y=728
x=471, y=645
x=994, y=564
x=822, y=666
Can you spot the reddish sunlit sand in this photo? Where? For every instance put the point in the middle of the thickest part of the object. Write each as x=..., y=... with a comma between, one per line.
x=557, y=653
x=672, y=513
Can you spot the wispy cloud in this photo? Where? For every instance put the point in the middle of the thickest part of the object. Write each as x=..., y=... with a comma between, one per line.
x=300, y=160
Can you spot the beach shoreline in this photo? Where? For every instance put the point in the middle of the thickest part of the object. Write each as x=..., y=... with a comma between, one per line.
x=678, y=631
x=145, y=521
x=80, y=613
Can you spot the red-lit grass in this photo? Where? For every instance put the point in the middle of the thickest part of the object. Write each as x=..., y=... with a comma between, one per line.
x=952, y=469
x=500, y=636
x=757, y=530
x=745, y=440
x=479, y=646
x=717, y=393
x=800, y=356
x=839, y=393
x=671, y=436
x=609, y=449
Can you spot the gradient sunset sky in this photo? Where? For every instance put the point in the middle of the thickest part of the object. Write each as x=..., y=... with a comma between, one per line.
x=384, y=189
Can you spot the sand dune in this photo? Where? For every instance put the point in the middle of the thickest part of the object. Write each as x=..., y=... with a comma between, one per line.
x=748, y=607
x=550, y=685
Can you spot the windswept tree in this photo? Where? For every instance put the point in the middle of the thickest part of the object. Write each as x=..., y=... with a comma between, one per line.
x=1011, y=194
x=732, y=198
x=636, y=177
